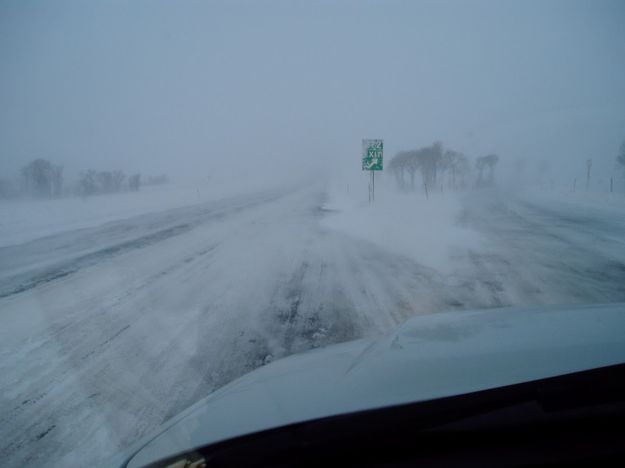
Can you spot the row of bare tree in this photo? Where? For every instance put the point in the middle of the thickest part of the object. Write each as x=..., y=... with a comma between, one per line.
x=93, y=182
x=434, y=163
x=43, y=179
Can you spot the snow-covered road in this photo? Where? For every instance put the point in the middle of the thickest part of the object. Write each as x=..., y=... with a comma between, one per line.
x=109, y=330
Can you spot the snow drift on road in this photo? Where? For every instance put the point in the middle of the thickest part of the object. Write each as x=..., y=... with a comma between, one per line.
x=425, y=230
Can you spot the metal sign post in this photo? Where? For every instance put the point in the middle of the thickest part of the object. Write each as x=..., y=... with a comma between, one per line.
x=373, y=186
x=372, y=160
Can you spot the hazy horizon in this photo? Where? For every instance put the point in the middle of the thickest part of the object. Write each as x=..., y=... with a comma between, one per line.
x=219, y=88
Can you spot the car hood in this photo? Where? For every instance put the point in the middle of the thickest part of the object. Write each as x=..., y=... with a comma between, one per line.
x=428, y=357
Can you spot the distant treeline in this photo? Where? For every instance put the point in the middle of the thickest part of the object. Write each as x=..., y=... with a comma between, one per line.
x=439, y=167
x=43, y=179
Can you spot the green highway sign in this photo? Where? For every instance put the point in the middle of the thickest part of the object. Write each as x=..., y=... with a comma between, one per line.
x=372, y=155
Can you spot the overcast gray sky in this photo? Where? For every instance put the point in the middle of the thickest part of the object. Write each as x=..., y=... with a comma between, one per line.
x=191, y=87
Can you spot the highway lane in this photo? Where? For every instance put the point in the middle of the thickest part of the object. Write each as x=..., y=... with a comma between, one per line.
x=541, y=250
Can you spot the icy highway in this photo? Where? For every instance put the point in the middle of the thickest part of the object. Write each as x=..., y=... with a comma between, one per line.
x=108, y=331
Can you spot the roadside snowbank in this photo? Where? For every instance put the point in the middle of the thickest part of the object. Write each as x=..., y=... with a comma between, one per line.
x=404, y=223
x=609, y=202
x=25, y=220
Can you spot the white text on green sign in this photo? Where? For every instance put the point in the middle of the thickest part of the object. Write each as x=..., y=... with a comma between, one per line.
x=372, y=155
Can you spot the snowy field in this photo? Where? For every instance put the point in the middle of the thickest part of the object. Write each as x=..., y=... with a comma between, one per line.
x=119, y=312
x=23, y=220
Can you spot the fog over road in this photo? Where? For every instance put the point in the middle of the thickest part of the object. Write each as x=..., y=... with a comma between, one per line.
x=110, y=330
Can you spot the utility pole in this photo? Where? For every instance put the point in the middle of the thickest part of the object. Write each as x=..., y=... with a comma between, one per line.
x=588, y=166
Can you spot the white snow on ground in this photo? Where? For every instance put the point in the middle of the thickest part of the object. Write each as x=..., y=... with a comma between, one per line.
x=25, y=220
x=607, y=203
x=425, y=230
x=548, y=247
x=111, y=329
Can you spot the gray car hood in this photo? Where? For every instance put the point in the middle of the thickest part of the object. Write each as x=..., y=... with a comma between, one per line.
x=428, y=357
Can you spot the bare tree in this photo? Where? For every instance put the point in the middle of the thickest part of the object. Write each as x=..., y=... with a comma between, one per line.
x=57, y=180
x=491, y=162
x=37, y=177
x=397, y=167
x=412, y=166
x=402, y=163
x=117, y=180
x=105, y=181
x=450, y=163
x=429, y=159
x=87, y=184
x=463, y=168
x=134, y=182
x=447, y=167
x=481, y=164
x=620, y=157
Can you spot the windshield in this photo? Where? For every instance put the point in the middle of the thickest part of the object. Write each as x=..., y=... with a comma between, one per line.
x=193, y=190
